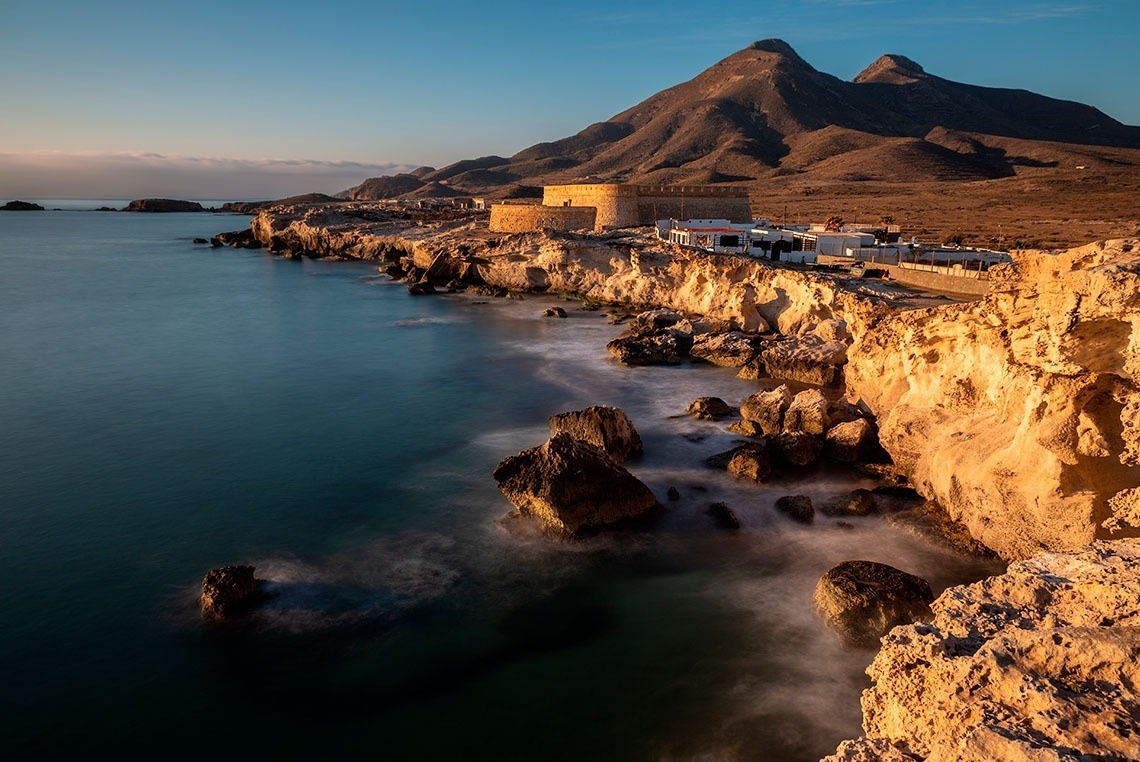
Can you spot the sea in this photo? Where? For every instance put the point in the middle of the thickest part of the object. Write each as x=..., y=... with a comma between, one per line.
x=167, y=407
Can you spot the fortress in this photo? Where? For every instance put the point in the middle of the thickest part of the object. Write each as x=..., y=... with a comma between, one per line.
x=622, y=206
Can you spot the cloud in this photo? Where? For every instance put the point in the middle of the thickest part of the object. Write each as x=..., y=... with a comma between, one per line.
x=50, y=174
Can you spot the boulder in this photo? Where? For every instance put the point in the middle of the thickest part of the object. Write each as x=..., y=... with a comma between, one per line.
x=842, y=411
x=796, y=507
x=571, y=485
x=860, y=601
x=555, y=312
x=733, y=350
x=655, y=320
x=766, y=409
x=724, y=515
x=661, y=348
x=708, y=408
x=602, y=426
x=421, y=288
x=797, y=448
x=750, y=462
x=746, y=428
x=226, y=590
x=807, y=413
x=859, y=502
x=1038, y=663
x=846, y=441
x=806, y=359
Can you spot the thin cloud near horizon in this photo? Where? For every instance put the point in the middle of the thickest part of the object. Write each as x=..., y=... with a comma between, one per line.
x=48, y=174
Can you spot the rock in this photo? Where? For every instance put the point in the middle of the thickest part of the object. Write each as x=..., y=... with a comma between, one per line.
x=647, y=349
x=842, y=411
x=655, y=320
x=807, y=413
x=797, y=507
x=1038, y=663
x=724, y=515
x=845, y=441
x=862, y=600
x=21, y=206
x=859, y=502
x=869, y=750
x=421, y=288
x=1018, y=413
x=832, y=330
x=556, y=312
x=930, y=522
x=746, y=428
x=571, y=485
x=237, y=239
x=673, y=493
x=806, y=359
x=226, y=590
x=732, y=350
x=162, y=205
x=602, y=426
x=797, y=448
x=200, y=240
x=708, y=408
x=766, y=409
x=750, y=462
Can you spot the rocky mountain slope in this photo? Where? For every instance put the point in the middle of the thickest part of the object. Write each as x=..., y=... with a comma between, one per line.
x=765, y=112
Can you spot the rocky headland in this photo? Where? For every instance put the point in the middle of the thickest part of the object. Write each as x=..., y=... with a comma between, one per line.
x=1018, y=414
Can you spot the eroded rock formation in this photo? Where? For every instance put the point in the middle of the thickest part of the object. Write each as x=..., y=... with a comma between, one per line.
x=862, y=600
x=226, y=590
x=603, y=426
x=1020, y=414
x=1039, y=663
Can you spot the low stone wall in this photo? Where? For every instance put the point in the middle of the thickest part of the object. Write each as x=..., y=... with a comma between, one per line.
x=524, y=218
x=933, y=281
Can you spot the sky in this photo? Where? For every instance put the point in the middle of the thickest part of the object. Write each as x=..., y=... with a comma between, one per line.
x=240, y=100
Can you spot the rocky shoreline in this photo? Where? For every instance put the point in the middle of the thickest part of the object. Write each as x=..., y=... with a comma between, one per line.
x=1018, y=414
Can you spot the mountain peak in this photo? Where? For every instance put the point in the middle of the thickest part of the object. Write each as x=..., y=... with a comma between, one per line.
x=891, y=69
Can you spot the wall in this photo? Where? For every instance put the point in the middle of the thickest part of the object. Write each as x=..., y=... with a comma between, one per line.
x=524, y=218
x=632, y=205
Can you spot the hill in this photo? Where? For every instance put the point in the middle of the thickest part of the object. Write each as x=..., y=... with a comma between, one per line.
x=765, y=113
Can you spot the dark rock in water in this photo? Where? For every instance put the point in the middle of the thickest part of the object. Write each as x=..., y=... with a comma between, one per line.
x=602, y=426
x=862, y=600
x=571, y=485
x=420, y=288
x=200, y=240
x=859, y=502
x=556, y=312
x=708, y=408
x=724, y=515
x=106, y=209
x=647, y=349
x=237, y=239
x=750, y=462
x=673, y=493
x=226, y=590
x=485, y=290
x=797, y=507
x=21, y=206
x=655, y=320
x=797, y=448
x=163, y=205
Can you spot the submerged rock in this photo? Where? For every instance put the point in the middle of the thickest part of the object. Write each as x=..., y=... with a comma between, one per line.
x=226, y=590
x=724, y=515
x=570, y=485
x=555, y=312
x=797, y=507
x=603, y=426
x=708, y=408
x=862, y=600
x=859, y=502
x=1039, y=663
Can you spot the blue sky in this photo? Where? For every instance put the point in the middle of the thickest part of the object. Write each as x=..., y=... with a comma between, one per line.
x=284, y=97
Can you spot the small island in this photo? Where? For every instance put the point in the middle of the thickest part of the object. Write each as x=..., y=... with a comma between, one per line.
x=21, y=206
x=163, y=205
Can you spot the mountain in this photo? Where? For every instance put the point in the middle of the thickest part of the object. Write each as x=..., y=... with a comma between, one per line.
x=765, y=112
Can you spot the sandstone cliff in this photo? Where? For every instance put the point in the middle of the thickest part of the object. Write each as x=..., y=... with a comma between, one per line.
x=1039, y=663
x=1020, y=414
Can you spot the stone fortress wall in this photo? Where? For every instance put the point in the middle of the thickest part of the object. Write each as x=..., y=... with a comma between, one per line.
x=524, y=218
x=621, y=206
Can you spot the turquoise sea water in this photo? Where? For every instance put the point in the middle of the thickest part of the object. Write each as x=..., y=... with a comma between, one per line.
x=166, y=408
